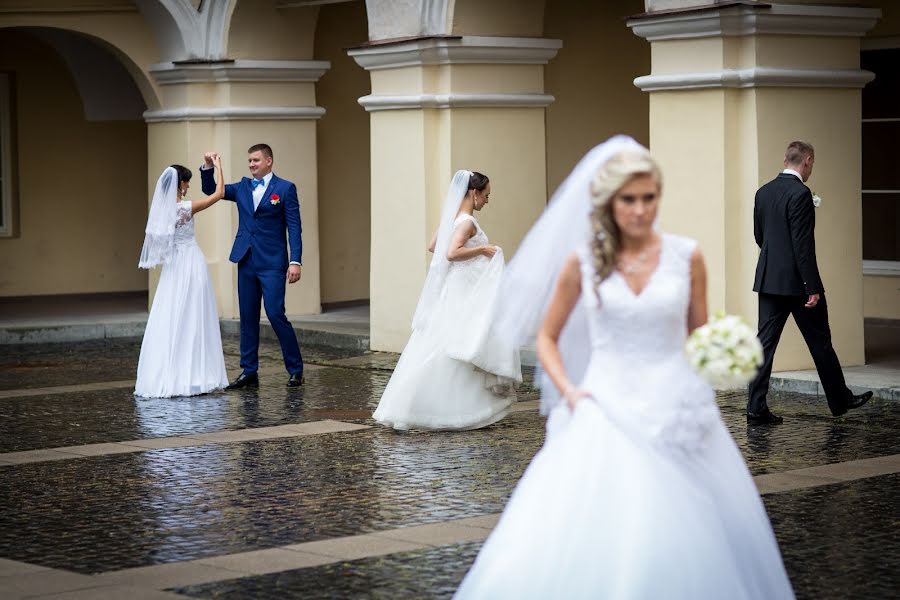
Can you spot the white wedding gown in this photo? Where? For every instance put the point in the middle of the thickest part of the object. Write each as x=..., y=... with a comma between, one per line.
x=181, y=354
x=641, y=491
x=454, y=374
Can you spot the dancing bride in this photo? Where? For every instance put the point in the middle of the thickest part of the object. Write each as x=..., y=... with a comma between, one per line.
x=639, y=490
x=453, y=374
x=181, y=354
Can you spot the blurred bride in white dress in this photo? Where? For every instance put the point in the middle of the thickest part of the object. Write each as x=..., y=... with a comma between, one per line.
x=639, y=490
x=453, y=374
x=181, y=354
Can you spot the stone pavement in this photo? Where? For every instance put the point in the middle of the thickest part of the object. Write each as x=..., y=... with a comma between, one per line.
x=285, y=493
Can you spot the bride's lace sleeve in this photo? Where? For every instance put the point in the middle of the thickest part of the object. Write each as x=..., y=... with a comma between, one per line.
x=183, y=214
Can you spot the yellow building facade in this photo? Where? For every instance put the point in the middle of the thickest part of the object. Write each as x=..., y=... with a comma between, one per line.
x=370, y=107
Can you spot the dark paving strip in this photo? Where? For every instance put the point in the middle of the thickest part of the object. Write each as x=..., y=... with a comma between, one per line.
x=429, y=573
x=45, y=365
x=841, y=541
x=91, y=417
x=838, y=541
x=128, y=510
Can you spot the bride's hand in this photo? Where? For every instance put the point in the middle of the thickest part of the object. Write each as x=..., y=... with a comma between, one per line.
x=572, y=395
x=489, y=251
x=217, y=161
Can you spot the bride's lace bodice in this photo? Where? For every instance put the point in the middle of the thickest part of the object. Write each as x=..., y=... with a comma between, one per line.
x=652, y=325
x=184, y=225
x=479, y=239
x=638, y=364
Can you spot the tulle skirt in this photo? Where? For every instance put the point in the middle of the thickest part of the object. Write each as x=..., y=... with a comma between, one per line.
x=181, y=354
x=454, y=374
x=623, y=504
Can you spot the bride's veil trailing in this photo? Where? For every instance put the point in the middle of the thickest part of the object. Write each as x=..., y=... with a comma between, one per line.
x=159, y=238
x=530, y=278
x=440, y=264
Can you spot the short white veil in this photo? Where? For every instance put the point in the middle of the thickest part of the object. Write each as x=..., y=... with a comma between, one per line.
x=530, y=278
x=159, y=238
x=440, y=264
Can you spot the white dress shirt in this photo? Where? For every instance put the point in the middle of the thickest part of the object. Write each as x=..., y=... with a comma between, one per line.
x=794, y=173
x=260, y=190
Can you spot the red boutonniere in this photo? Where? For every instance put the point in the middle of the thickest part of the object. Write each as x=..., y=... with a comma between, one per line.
x=275, y=199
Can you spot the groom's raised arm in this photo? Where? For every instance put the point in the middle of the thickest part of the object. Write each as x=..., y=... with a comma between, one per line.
x=294, y=227
x=208, y=183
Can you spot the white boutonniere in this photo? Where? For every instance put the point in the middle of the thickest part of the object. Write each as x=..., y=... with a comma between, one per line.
x=817, y=200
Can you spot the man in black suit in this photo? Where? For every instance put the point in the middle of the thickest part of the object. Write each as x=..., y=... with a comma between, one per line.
x=788, y=283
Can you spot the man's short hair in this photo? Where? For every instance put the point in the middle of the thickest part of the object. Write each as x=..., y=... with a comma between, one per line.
x=264, y=148
x=797, y=151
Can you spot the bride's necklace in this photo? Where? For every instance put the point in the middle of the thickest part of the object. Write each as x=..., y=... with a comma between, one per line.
x=638, y=264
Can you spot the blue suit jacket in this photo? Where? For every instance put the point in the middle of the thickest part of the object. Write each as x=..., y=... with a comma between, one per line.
x=263, y=230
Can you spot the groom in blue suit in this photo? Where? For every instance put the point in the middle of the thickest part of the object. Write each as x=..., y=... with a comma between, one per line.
x=267, y=207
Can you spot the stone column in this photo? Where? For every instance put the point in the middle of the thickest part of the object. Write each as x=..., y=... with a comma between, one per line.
x=440, y=104
x=730, y=87
x=229, y=106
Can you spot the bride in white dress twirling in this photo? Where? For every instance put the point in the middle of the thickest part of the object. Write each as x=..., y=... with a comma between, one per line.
x=639, y=490
x=453, y=374
x=181, y=354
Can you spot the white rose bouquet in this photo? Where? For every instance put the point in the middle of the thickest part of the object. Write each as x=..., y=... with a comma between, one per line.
x=725, y=352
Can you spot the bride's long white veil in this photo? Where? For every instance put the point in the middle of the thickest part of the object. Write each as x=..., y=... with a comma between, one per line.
x=530, y=277
x=440, y=264
x=159, y=238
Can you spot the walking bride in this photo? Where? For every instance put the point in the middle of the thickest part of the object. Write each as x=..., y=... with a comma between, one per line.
x=453, y=374
x=181, y=354
x=639, y=490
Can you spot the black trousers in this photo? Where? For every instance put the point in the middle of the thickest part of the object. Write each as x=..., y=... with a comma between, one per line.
x=813, y=324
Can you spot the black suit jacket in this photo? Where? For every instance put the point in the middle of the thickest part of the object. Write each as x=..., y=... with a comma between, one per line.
x=784, y=222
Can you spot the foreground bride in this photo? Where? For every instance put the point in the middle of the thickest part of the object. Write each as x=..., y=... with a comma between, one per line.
x=452, y=373
x=639, y=491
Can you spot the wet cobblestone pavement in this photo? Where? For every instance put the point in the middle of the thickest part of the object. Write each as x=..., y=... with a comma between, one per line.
x=116, y=511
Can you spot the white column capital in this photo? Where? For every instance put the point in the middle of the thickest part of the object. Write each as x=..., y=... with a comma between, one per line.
x=756, y=18
x=450, y=50
x=172, y=73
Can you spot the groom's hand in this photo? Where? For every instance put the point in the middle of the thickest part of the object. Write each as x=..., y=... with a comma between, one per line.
x=208, y=157
x=293, y=274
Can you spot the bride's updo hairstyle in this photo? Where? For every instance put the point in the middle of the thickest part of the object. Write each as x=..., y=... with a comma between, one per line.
x=609, y=179
x=478, y=181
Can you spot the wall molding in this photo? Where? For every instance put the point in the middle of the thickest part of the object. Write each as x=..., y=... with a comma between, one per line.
x=456, y=50
x=741, y=20
x=890, y=268
x=375, y=103
x=171, y=73
x=235, y=113
x=753, y=77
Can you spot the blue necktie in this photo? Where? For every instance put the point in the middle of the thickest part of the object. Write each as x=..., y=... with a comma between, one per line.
x=257, y=182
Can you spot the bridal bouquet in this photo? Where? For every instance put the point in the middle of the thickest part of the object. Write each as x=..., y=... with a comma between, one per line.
x=725, y=351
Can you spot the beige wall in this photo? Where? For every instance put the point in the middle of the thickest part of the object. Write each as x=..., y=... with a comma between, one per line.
x=259, y=30
x=82, y=185
x=497, y=17
x=343, y=152
x=592, y=80
x=881, y=296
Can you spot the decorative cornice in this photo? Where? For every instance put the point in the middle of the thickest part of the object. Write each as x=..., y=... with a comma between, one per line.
x=739, y=20
x=756, y=77
x=891, y=268
x=235, y=113
x=375, y=103
x=240, y=70
x=457, y=50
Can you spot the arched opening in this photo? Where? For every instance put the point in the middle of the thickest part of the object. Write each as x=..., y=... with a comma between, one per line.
x=75, y=156
x=343, y=158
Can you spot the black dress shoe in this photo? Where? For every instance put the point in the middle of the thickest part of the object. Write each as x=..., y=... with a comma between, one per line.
x=244, y=380
x=296, y=380
x=764, y=417
x=857, y=401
